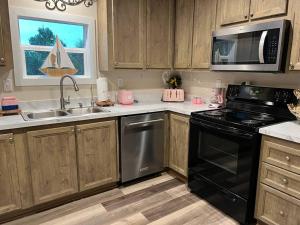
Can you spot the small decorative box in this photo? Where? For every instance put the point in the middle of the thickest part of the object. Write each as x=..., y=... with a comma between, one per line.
x=173, y=95
x=9, y=103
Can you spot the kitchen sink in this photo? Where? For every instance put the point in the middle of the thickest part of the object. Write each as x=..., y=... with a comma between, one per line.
x=61, y=113
x=85, y=110
x=44, y=115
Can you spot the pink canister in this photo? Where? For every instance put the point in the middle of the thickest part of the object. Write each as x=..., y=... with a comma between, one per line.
x=125, y=97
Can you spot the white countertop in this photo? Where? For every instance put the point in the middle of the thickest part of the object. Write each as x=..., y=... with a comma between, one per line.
x=289, y=131
x=186, y=108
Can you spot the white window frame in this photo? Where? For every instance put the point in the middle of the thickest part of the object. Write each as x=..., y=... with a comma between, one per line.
x=21, y=77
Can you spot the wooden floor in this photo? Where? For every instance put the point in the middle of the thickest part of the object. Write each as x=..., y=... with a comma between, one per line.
x=161, y=200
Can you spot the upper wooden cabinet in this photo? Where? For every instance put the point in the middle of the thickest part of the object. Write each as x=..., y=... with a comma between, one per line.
x=97, y=154
x=195, y=21
x=136, y=34
x=159, y=38
x=265, y=8
x=204, y=24
x=179, y=136
x=52, y=154
x=183, y=33
x=233, y=11
x=128, y=33
x=5, y=40
x=295, y=45
x=9, y=183
x=237, y=11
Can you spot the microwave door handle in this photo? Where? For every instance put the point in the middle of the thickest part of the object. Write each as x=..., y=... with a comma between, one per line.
x=261, y=47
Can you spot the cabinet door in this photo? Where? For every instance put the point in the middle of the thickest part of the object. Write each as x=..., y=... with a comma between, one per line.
x=276, y=208
x=2, y=52
x=97, y=154
x=204, y=24
x=52, y=155
x=5, y=41
x=179, y=135
x=159, y=49
x=128, y=34
x=266, y=8
x=295, y=51
x=234, y=11
x=183, y=33
x=9, y=184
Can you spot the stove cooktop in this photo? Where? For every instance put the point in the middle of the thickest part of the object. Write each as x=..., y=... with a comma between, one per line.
x=238, y=118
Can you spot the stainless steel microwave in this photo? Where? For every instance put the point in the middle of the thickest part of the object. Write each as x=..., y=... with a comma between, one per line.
x=257, y=47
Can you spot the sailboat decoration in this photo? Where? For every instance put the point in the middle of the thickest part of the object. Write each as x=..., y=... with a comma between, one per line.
x=58, y=63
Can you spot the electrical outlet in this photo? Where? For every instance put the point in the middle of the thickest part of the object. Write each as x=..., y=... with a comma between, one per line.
x=120, y=83
x=8, y=85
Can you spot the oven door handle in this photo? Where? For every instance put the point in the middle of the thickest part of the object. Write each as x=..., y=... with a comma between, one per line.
x=230, y=131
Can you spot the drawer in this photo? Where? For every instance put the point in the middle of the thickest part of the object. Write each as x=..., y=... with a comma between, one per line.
x=277, y=208
x=281, y=153
x=280, y=179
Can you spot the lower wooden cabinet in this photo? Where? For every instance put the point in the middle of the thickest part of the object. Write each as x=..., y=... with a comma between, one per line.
x=97, y=154
x=9, y=184
x=52, y=154
x=277, y=208
x=179, y=136
x=278, y=192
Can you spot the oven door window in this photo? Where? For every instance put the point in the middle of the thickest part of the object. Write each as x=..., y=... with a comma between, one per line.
x=219, y=151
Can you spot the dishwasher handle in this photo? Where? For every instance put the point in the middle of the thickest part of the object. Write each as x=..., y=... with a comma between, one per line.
x=144, y=123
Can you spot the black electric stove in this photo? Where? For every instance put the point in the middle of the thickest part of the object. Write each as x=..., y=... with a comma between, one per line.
x=247, y=120
x=225, y=144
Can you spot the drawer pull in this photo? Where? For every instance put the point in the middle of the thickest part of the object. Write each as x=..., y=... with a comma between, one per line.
x=11, y=140
x=281, y=213
x=287, y=158
x=284, y=180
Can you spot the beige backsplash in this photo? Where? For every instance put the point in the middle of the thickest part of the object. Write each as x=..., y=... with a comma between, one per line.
x=195, y=83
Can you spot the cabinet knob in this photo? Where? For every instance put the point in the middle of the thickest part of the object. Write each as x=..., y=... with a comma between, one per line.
x=281, y=213
x=251, y=15
x=292, y=67
x=284, y=180
x=11, y=140
x=287, y=158
x=246, y=17
x=2, y=60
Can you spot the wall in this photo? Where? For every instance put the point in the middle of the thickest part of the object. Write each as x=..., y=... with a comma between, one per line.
x=193, y=82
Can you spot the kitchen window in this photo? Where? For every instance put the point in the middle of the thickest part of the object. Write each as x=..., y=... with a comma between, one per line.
x=34, y=35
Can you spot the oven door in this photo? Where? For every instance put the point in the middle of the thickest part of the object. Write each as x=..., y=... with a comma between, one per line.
x=225, y=156
x=249, y=48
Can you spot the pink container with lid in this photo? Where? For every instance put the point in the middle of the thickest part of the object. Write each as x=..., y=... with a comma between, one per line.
x=125, y=97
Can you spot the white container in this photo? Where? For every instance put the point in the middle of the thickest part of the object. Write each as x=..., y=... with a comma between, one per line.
x=102, y=89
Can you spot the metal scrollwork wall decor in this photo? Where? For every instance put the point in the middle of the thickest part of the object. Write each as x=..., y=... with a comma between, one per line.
x=61, y=5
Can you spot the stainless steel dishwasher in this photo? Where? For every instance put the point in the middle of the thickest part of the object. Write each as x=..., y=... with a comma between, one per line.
x=142, y=145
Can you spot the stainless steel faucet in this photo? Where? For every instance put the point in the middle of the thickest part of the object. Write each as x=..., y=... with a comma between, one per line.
x=63, y=101
x=92, y=96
